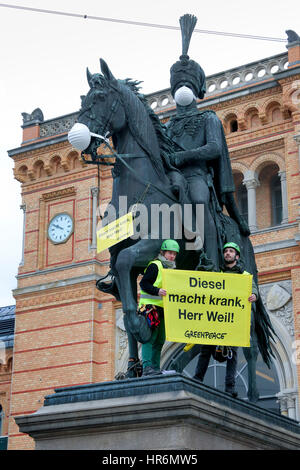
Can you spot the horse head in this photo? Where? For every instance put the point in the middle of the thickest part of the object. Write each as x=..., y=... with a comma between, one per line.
x=101, y=109
x=116, y=107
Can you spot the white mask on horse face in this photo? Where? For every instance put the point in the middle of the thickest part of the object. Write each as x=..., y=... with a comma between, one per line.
x=184, y=96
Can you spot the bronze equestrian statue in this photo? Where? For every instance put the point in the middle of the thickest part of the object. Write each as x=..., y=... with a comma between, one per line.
x=185, y=161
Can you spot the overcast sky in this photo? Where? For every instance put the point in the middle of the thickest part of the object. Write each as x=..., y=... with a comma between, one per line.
x=43, y=60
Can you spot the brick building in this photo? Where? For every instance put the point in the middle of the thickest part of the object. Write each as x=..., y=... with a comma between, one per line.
x=66, y=331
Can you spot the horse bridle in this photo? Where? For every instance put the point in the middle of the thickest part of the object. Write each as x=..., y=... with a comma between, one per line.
x=113, y=109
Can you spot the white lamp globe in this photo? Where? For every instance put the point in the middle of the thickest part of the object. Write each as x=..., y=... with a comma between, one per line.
x=184, y=96
x=79, y=136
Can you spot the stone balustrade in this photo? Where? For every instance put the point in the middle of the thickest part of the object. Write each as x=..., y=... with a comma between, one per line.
x=229, y=80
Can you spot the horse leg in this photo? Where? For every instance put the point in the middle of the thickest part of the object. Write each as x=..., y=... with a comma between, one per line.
x=134, y=368
x=134, y=364
x=139, y=254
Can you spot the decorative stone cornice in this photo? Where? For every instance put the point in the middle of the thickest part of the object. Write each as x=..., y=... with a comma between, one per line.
x=66, y=192
x=27, y=151
x=67, y=178
x=57, y=292
x=42, y=165
x=256, y=148
x=245, y=98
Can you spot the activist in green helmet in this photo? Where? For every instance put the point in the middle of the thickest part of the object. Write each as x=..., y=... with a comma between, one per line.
x=232, y=245
x=170, y=245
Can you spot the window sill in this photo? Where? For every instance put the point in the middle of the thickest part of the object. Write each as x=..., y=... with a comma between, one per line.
x=273, y=228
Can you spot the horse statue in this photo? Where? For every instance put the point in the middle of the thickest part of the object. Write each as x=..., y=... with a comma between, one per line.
x=139, y=175
x=116, y=108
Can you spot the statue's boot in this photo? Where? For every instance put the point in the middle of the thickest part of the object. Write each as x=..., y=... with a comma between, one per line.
x=108, y=285
x=134, y=370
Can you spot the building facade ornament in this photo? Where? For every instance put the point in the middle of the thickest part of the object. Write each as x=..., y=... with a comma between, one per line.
x=278, y=299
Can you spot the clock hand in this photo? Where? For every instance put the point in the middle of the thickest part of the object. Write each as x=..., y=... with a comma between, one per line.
x=57, y=226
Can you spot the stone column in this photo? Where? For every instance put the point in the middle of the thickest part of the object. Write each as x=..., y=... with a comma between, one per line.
x=287, y=400
x=23, y=207
x=251, y=182
x=282, y=175
x=291, y=405
x=95, y=192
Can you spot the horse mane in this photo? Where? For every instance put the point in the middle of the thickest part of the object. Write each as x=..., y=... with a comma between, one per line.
x=166, y=145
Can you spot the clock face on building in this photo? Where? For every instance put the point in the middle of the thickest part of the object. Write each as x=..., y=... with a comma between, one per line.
x=60, y=228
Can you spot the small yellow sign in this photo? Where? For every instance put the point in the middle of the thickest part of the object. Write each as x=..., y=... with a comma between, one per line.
x=207, y=308
x=115, y=232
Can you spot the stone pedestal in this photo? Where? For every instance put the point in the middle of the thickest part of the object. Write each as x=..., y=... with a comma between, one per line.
x=165, y=412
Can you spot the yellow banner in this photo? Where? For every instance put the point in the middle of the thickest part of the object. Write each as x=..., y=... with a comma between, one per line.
x=115, y=232
x=207, y=308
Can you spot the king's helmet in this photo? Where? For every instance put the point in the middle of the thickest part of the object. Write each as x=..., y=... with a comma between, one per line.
x=187, y=72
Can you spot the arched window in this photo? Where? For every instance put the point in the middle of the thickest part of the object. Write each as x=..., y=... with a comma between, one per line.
x=269, y=197
x=233, y=125
x=276, y=115
x=254, y=121
x=276, y=200
x=230, y=123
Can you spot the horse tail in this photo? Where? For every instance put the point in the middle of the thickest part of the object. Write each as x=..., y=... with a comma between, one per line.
x=262, y=324
x=264, y=331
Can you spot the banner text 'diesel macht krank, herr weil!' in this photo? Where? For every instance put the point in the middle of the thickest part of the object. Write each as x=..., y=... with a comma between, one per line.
x=207, y=307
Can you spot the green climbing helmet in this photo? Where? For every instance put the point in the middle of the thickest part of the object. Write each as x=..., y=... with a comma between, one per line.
x=170, y=245
x=232, y=245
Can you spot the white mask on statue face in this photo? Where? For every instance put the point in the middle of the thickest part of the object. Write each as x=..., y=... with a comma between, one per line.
x=184, y=96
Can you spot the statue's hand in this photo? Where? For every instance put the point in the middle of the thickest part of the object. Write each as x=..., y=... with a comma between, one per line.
x=174, y=159
x=244, y=228
x=179, y=159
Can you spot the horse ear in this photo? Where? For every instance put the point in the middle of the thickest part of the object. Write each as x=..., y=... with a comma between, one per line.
x=106, y=70
x=89, y=76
